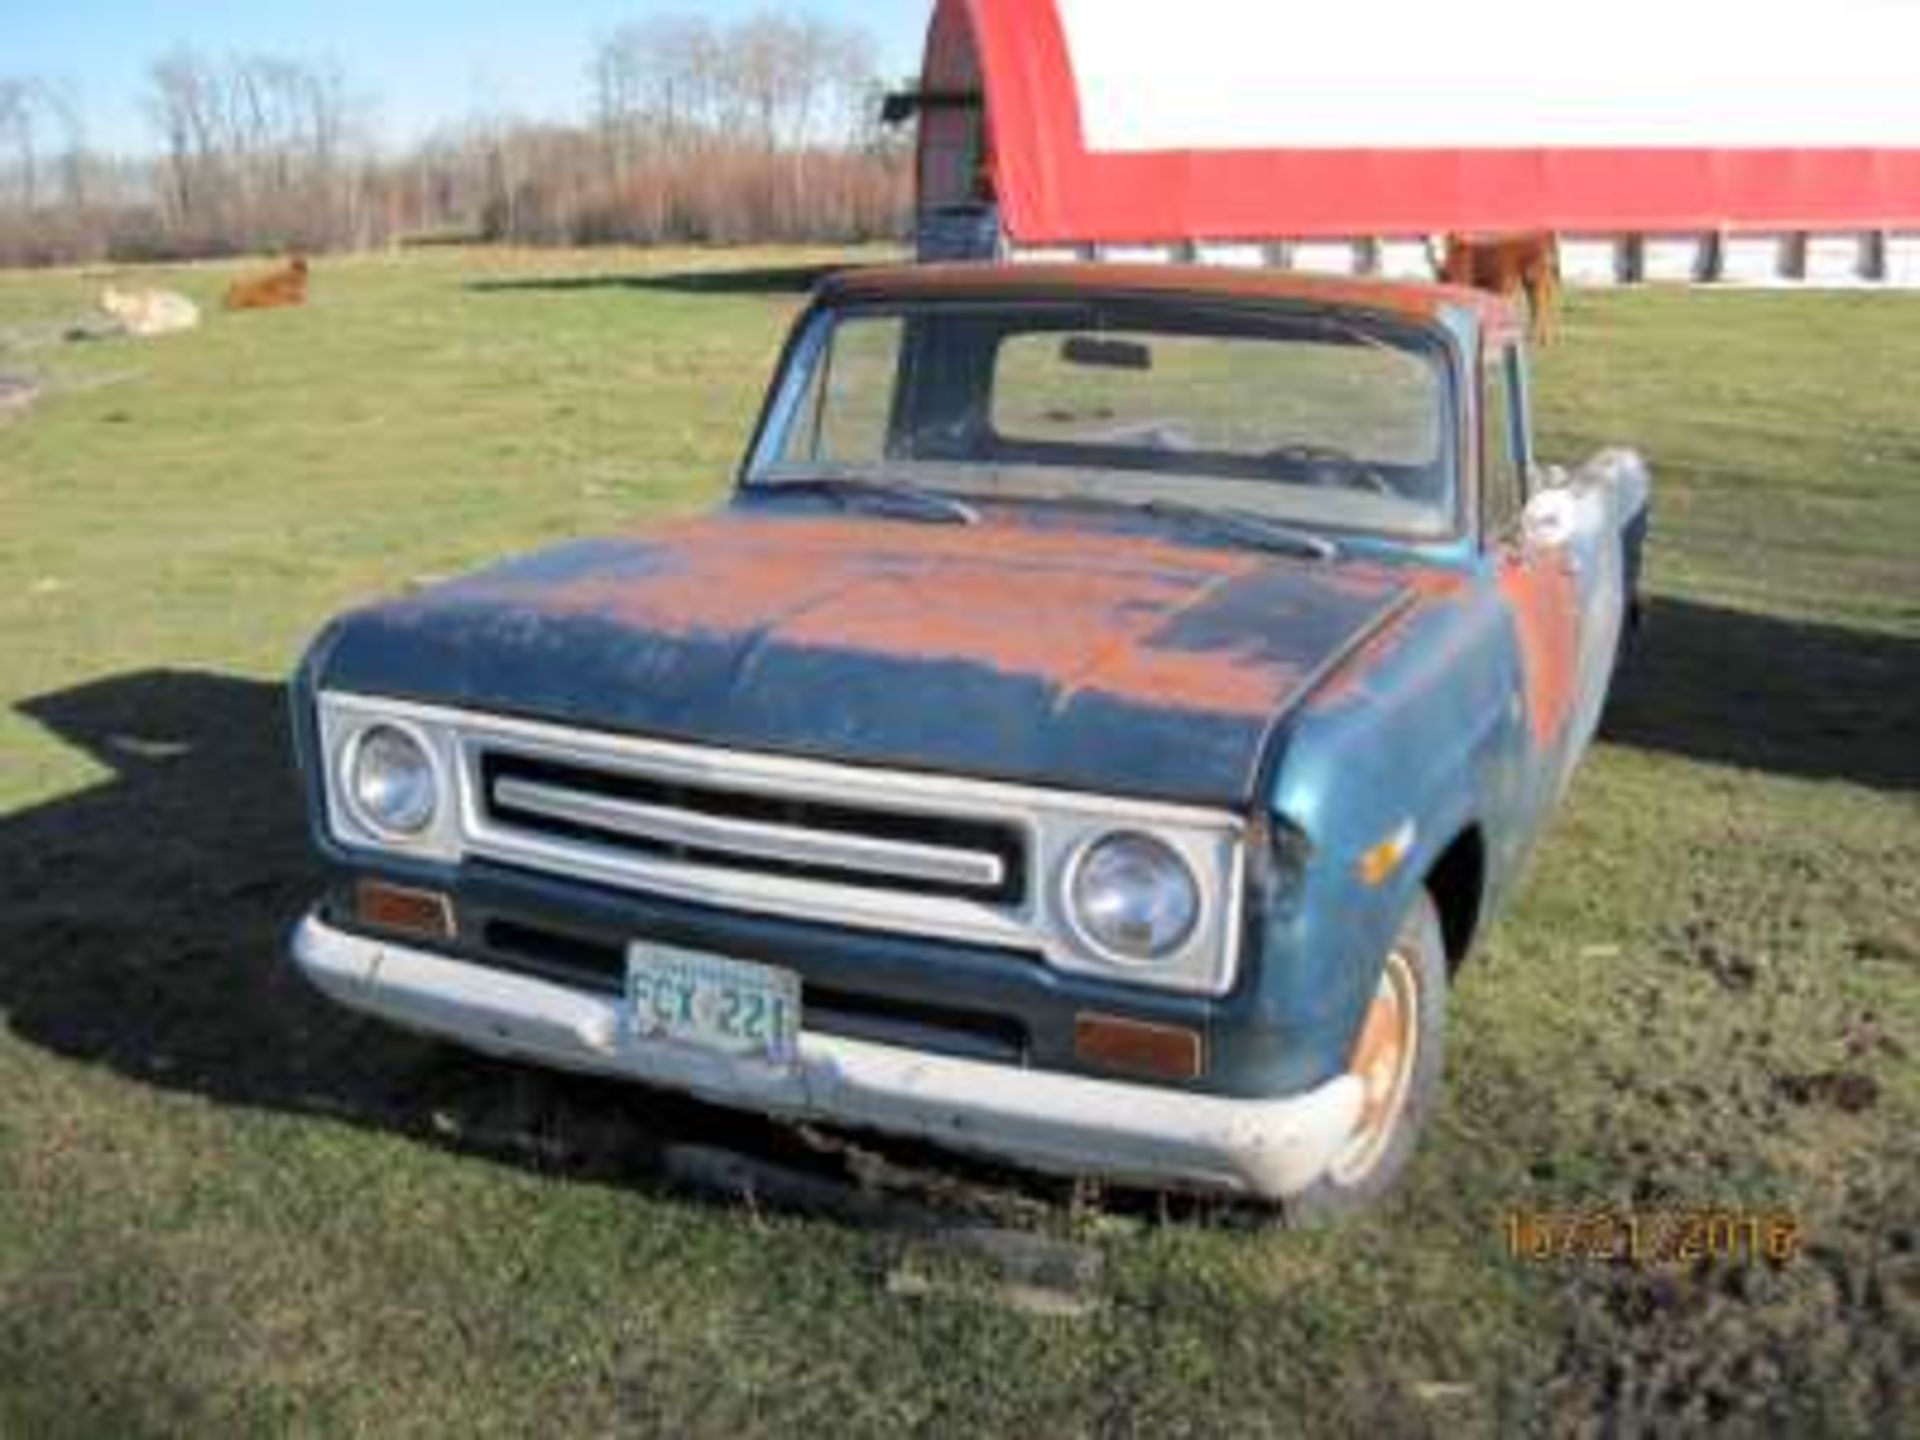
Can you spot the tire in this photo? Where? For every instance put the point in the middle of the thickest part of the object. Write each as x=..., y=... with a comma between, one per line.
x=1372, y=1162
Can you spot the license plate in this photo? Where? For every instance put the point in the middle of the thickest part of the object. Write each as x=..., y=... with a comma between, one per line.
x=705, y=1002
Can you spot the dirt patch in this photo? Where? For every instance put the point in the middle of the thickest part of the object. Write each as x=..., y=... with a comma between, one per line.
x=1702, y=943
x=1821, y=1343
x=18, y=394
x=1744, y=1032
x=1845, y=1090
x=1886, y=949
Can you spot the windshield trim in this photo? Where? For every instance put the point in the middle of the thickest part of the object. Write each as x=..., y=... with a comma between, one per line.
x=815, y=325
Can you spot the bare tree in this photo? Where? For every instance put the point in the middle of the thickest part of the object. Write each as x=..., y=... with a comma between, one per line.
x=655, y=86
x=20, y=100
x=696, y=131
x=61, y=106
x=255, y=148
x=182, y=103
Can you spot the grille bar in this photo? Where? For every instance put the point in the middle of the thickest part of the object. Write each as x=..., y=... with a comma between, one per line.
x=788, y=844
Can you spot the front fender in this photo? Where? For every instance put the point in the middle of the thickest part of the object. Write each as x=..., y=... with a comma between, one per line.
x=1419, y=737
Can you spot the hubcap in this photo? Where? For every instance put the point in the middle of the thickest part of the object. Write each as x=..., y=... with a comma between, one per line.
x=1383, y=1064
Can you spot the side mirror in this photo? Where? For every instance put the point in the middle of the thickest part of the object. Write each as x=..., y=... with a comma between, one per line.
x=1548, y=521
x=1620, y=470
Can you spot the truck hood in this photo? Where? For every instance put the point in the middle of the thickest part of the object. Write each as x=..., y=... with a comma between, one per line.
x=1060, y=650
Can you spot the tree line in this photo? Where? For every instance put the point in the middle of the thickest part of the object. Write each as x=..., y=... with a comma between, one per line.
x=766, y=129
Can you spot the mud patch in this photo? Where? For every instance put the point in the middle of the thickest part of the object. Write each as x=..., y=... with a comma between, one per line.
x=1826, y=1342
x=1886, y=949
x=1845, y=1090
x=1745, y=1039
x=1703, y=944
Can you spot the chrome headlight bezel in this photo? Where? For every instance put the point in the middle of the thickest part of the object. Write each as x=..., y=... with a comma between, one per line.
x=344, y=732
x=1205, y=959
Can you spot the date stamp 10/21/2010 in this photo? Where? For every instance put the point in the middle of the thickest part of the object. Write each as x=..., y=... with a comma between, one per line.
x=1654, y=1237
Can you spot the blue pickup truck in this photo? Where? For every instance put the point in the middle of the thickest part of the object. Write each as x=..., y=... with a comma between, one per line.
x=1099, y=724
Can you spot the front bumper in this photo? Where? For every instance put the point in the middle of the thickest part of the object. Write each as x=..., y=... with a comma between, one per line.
x=1269, y=1148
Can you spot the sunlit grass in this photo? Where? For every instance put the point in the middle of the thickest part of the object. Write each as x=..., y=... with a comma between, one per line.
x=225, y=1206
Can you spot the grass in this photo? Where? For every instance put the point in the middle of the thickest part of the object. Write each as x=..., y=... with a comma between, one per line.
x=227, y=1207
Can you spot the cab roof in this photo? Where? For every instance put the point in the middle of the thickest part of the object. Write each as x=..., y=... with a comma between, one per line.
x=985, y=281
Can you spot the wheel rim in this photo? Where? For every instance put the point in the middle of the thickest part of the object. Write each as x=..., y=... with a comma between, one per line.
x=1383, y=1062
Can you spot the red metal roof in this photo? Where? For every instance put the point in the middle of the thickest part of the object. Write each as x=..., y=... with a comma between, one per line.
x=1081, y=150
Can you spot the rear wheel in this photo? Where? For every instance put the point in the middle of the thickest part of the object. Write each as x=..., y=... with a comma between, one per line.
x=1398, y=1059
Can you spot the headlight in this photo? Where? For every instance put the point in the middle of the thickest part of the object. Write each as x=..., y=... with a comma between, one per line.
x=390, y=781
x=1133, y=897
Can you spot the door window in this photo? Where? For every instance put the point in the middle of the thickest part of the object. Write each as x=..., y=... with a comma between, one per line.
x=1503, y=444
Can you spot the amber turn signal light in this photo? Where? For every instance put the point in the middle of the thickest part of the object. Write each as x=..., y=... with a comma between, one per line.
x=422, y=913
x=1133, y=1047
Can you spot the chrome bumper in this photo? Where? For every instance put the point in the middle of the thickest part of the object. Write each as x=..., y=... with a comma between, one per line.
x=1063, y=1123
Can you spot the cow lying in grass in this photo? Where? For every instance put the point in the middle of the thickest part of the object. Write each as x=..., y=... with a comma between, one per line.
x=150, y=312
x=284, y=286
x=1509, y=265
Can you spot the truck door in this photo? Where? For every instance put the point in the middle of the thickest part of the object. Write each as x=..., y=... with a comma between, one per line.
x=1538, y=573
x=1584, y=525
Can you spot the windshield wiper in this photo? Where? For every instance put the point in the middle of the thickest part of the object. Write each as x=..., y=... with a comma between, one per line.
x=907, y=499
x=1246, y=526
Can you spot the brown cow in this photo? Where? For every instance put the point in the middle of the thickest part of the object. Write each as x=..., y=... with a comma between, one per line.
x=1509, y=265
x=284, y=286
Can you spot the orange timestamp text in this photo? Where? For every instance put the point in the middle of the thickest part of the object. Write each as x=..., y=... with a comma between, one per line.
x=1654, y=1237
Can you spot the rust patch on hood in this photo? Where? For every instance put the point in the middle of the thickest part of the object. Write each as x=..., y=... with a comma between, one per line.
x=1352, y=680
x=1135, y=618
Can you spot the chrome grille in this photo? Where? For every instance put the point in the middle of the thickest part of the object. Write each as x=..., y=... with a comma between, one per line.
x=783, y=834
x=957, y=859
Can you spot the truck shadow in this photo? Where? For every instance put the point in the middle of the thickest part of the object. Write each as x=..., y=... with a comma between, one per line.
x=763, y=280
x=1793, y=698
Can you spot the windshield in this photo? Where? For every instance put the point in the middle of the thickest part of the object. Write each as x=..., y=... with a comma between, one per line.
x=1329, y=422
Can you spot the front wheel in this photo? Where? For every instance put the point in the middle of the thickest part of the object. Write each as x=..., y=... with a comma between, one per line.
x=1398, y=1059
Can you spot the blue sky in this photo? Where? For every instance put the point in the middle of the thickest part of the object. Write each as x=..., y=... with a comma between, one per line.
x=418, y=61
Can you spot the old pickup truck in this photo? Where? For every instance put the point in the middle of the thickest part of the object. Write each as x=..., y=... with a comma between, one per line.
x=1095, y=731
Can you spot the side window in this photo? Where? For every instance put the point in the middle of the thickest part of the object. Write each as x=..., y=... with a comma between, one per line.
x=848, y=405
x=1503, y=463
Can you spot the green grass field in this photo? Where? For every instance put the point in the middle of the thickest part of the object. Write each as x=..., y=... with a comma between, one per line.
x=226, y=1207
